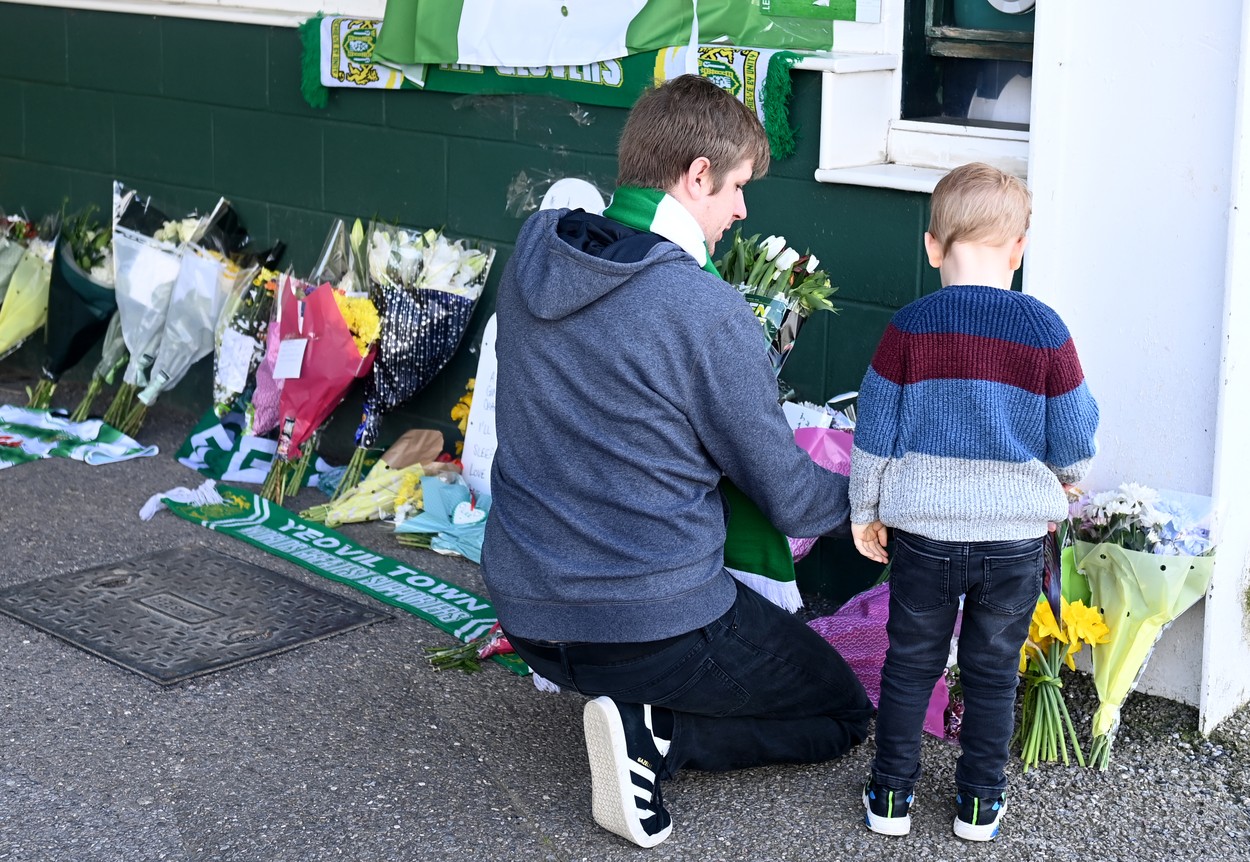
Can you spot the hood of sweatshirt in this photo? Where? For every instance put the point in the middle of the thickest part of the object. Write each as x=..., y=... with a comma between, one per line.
x=605, y=254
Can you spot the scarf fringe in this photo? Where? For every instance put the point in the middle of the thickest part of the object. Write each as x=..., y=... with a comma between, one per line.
x=784, y=594
x=777, y=92
x=310, y=86
x=205, y=495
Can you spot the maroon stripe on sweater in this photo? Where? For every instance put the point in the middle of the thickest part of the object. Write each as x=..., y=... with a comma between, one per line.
x=904, y=358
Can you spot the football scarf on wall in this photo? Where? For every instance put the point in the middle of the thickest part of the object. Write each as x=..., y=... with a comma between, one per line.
x=340, y=52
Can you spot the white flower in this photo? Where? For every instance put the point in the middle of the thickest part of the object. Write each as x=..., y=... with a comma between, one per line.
x=772, y=246
x=812, y=263
x=786, y=260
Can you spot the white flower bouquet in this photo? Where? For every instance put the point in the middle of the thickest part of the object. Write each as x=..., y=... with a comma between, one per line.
x=781, y=285
x=1148, y=557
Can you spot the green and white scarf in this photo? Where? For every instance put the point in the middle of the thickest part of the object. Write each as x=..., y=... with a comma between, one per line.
x=756, y=553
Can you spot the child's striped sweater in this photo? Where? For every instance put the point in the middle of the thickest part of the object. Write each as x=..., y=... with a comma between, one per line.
x=973, y=413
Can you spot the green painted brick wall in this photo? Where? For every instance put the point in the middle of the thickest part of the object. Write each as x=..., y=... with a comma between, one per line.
x=188, y=110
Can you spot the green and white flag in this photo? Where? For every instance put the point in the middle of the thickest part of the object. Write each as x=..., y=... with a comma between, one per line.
x=341, y=52
x=577, y=32
x=30, y=435
x=219, y=448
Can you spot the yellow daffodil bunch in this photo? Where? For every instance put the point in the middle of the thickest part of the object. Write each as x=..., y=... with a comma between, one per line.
x=460, y=413
x=361, y=317
x=1044, y=718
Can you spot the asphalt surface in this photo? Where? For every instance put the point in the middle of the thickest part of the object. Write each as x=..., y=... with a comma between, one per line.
x=354, y=748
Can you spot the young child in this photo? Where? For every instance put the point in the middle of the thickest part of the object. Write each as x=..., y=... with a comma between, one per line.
x=972, y=418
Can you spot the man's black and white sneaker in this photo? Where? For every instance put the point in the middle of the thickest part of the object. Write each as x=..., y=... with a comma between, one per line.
x=886, y=810
x=978, y=818
x=625, y=761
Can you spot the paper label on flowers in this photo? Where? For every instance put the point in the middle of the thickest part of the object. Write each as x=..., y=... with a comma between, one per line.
x=290, y=358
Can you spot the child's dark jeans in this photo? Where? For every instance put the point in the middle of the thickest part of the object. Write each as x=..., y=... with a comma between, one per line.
x=1001, y=582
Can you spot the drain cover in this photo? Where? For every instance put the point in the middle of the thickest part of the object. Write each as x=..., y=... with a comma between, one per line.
x=182, y=613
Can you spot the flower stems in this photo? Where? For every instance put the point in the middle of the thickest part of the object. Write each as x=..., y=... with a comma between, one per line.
x=83, y=410
x=119, y=409
x=1045, y=725
x=351, y=475
x=274, y=488
x=41, y=395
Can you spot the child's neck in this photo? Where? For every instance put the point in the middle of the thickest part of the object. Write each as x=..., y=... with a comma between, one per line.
x=976, y=263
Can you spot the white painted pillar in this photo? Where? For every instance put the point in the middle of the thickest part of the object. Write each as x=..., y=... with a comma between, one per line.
x=1130, y=162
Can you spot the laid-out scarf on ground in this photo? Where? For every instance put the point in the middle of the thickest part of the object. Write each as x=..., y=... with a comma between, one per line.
x=756, y=552
x=255, y=520
x=219, y=448
x=341, y=52
x=30, y=435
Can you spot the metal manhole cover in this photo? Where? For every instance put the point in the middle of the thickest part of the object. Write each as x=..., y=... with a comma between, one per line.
x=186, y=612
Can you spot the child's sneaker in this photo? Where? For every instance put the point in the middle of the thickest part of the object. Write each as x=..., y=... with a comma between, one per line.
x=886, y=810
x=978, y=818
x=625, y=761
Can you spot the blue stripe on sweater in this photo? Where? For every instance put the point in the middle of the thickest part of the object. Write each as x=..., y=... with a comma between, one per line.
x=973, y=419
x=989, y=312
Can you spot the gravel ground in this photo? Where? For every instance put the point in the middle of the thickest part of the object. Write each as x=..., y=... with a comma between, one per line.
x=354, y=748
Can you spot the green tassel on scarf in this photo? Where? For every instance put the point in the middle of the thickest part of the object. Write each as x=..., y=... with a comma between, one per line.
x=310, y=87
x=756, y=552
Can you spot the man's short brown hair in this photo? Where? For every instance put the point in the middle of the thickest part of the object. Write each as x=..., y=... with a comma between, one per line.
x=979, y=203
x=677, y=122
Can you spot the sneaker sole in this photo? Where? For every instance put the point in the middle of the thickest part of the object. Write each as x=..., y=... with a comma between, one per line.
x=611, y=788
x=896, y=826
x=986, y=832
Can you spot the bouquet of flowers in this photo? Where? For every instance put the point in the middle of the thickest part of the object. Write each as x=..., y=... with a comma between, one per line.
x=15, y=234
x=1054, y=639
x=239, y=340
x=782, y=286
x=113, y=356
x=206, y=274
x=147, y=253
x=398, y=472
x=81, y=299
x=333, y=343
x=1148, y=558
x=25, y=305
x=427, y=287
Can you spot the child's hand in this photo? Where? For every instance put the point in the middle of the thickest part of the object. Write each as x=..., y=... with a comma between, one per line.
x=870, y=540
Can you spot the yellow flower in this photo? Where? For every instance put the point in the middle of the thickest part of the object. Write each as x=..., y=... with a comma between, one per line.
x=460, y=411
x=361, y=317
x=409, y=490
x=1086, y=624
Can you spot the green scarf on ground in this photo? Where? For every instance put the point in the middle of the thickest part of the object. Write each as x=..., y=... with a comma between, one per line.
x=756, y=553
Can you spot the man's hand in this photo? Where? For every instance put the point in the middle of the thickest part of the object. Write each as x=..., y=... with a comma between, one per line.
x=870, y=540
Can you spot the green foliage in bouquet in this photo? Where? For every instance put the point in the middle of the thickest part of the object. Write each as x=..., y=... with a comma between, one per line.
x=772, y=267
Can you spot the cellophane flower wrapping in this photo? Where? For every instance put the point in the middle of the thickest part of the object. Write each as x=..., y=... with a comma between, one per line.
x=427, y=287
x=782, y=287
x=206, y=274
x=25, y=306
x=146, y=269
x=239, y=341
x=83, y=308
x=15, y=234
x=332, y=361
x=266, y=400
x=831, y=449
x=1148, y=557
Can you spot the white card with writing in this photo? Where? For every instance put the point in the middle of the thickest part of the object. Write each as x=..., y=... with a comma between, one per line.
x=290, y=359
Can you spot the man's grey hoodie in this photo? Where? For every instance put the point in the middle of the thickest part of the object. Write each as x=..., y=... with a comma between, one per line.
x=630, y=382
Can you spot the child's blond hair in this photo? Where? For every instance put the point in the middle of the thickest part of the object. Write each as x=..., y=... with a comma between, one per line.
x=979, y=203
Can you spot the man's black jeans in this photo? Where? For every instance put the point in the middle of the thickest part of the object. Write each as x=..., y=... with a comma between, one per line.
x=755, y=687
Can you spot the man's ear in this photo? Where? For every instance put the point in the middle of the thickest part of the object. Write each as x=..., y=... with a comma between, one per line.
x=933, y=249
x=698, y=178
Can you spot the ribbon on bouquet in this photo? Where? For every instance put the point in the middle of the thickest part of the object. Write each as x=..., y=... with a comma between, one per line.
x=339, y=51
